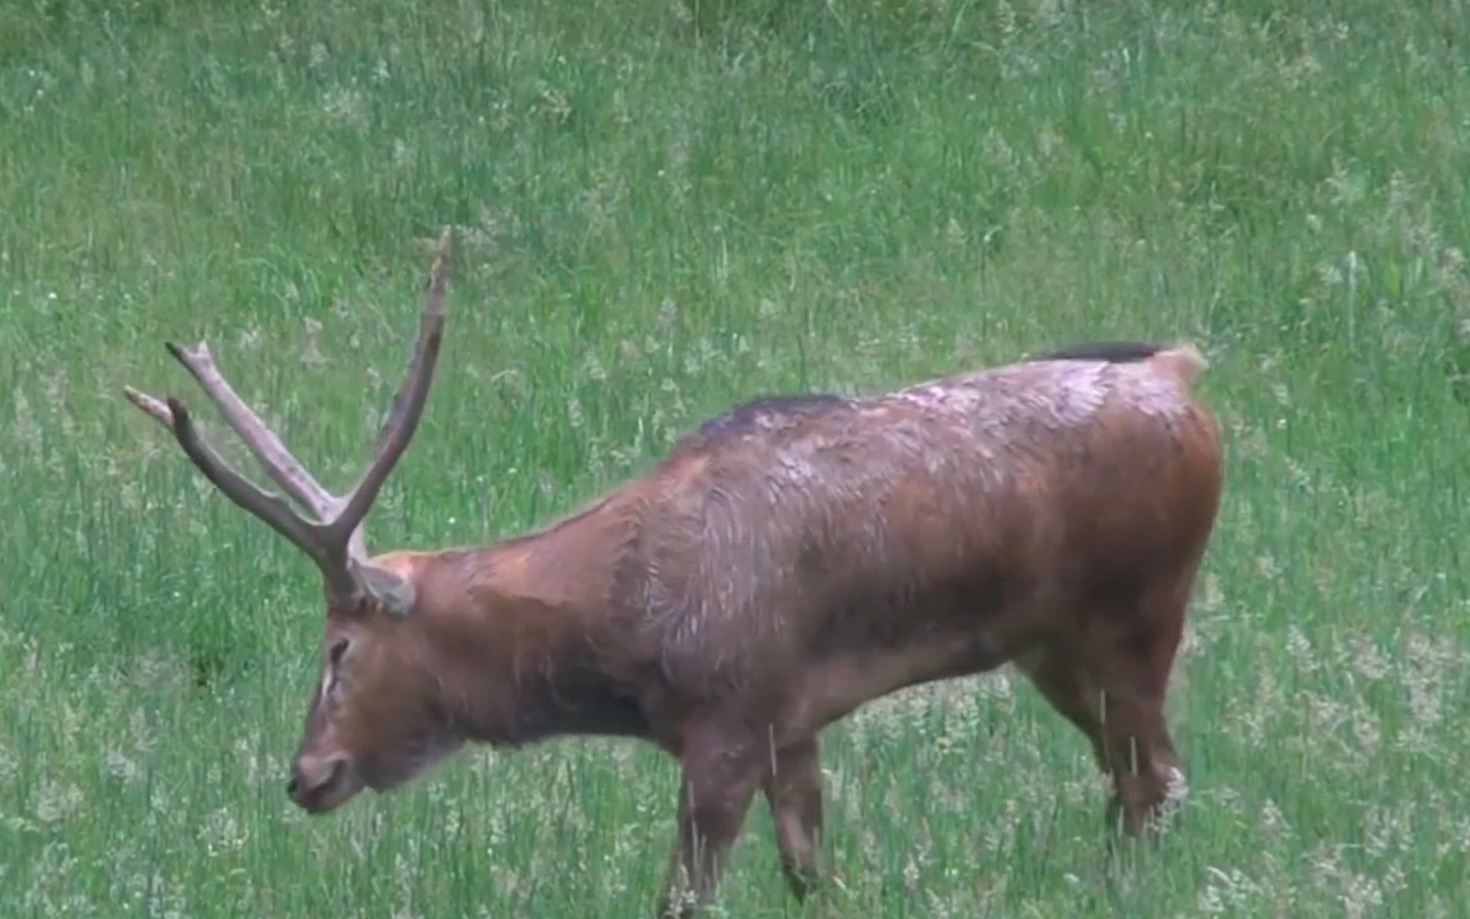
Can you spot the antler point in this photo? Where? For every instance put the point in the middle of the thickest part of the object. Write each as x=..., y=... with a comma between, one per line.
x=186, y=354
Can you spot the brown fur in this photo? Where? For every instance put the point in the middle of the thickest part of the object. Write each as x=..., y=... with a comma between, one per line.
x=779, y=570
x=783, y=565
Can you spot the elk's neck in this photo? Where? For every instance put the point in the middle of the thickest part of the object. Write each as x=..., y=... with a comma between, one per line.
x=527, y=642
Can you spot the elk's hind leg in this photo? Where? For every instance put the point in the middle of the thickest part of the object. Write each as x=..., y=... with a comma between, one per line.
x=1057, y=673
x=1112, y=688
x=1133, y=658
x=793, y=790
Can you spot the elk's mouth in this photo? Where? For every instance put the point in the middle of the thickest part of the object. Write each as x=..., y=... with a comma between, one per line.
x=418, y=756
x=324, y=789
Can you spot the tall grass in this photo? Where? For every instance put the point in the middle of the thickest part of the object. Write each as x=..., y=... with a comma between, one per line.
x=662, y=209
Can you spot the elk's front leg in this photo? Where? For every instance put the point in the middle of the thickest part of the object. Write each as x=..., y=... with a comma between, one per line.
x=719, y=779
x=793, y=789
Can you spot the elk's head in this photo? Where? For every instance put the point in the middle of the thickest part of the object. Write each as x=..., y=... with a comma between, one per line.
x=372, y=721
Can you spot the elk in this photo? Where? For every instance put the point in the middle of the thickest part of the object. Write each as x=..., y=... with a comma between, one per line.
x=780, y=567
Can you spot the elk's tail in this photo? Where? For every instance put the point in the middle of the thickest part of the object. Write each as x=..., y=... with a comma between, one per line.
x=1182, y=361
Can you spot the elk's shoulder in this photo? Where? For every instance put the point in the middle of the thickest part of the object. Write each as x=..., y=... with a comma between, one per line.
x=764, y=422
x=769, y=414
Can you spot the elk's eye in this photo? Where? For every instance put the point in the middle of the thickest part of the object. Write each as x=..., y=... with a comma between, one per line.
x=334, y=653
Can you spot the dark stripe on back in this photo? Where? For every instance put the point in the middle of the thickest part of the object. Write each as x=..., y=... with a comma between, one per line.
x=1114, y=352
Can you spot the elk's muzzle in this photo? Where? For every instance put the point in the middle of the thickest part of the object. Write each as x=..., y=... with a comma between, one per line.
x=320, y=784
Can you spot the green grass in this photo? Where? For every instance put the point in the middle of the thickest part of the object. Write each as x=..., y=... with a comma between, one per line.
x=664, y=208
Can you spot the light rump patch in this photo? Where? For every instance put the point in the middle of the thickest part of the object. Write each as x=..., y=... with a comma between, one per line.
x=785, y=564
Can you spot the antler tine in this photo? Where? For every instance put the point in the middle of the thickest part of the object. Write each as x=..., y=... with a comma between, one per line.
x=335, y=540
x=268, y=507
x=274, y=458
x=408, y=407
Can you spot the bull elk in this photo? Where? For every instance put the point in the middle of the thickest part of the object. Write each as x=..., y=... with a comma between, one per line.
x=782, y=566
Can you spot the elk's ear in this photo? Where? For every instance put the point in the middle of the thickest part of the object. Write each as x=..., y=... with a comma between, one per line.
x=390, y=590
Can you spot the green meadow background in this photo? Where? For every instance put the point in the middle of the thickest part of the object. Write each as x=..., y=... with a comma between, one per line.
x=663, y=208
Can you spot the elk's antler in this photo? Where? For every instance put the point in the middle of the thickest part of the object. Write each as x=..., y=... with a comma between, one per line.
x=333, y=537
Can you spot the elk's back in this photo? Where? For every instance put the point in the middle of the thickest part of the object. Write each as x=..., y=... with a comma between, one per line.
x=933, y=531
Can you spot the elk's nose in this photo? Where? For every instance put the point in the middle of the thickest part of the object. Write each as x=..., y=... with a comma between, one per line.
x=315, y=780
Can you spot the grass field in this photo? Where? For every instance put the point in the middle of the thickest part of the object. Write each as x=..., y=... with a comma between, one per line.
x=664, y=208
